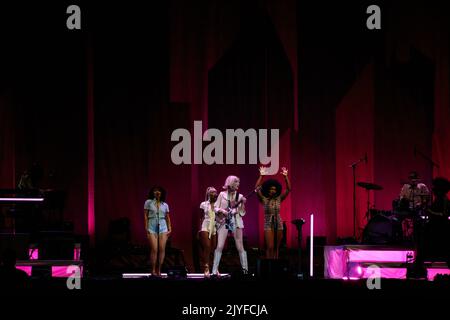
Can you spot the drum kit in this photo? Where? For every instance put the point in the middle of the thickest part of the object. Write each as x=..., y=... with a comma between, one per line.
x=394, y=226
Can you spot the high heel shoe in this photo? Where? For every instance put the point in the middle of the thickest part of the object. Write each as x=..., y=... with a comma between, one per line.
x=206, y=272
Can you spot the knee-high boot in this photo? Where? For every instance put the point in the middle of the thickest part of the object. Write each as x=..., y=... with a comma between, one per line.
x=217, y=256
x=244, y=262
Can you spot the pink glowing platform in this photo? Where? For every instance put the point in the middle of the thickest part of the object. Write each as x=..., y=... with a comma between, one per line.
x=58, y=268
x=164, y=275
x=362, y=261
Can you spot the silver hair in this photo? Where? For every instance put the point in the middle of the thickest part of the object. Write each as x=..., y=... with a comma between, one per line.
x=229, y=181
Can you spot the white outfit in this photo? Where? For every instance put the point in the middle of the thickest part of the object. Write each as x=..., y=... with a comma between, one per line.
x=209, y=218
x=409, y=192
x=224, y=201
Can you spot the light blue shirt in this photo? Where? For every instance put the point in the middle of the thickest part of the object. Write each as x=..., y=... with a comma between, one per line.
x=153, y=211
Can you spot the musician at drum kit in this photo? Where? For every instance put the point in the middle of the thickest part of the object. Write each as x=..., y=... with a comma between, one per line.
x=414, y=198
x=414, y=194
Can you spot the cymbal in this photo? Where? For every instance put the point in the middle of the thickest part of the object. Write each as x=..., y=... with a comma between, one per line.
x=369, y=186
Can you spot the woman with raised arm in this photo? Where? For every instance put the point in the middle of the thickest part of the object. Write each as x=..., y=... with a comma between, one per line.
x=270, y=196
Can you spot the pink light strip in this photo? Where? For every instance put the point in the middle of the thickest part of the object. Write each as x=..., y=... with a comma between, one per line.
x=164, y=275
x=57, y=271
x=27, y=269
x=90, y=145
x=378, y=255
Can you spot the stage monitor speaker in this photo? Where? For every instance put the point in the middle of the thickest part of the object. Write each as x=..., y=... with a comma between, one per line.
x=272, y=268
x=56, y=246
x=18, y=242
x=41, y=271
x=177, y=272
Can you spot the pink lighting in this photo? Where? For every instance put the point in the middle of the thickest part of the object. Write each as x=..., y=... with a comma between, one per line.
x=164, y=275
x=27, y=269
x=33, y=253
x=76, y=253
x=359, y=270
x=377, y=255
x=362, y=262
x=64, y=271
x=433, y=272
x=57, y=271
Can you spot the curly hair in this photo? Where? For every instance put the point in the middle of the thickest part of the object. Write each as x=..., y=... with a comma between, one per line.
x=441, y=184
x=151, y=194
x=268, y=184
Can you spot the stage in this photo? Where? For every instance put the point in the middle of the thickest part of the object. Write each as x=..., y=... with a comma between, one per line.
x=110, y=113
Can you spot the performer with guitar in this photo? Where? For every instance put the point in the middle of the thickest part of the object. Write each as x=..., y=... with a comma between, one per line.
x=230, y=208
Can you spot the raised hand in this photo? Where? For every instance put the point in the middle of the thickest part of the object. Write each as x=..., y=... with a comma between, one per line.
x=263, y=171
x=284, y=171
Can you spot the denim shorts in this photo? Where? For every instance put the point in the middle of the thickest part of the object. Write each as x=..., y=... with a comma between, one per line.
x=153, y=226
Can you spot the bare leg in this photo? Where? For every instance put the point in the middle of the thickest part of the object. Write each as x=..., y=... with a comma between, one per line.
x=162, y=251
x=205, y=243
x=268, y=236
x=153, y=241
x=279, y=237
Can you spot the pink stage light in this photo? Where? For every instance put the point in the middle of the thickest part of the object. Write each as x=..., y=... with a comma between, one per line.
x=33, y=253
x=57, y=271
x=433, y=272
x=63, y=272
x=27, y=269
x=377, y=255
x=359, y=270
x=76, y=254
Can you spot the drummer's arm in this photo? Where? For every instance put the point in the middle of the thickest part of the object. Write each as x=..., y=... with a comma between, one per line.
x=403, y=192
x=427, y=192
x=425, y=189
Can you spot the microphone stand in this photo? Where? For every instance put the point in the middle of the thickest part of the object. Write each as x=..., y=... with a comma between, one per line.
x=353, y=166
x=157, y=237
x=298, y=224
x=275, y=236
x=423, y=155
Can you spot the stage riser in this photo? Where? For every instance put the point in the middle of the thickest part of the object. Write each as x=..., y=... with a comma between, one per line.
x=361, y=262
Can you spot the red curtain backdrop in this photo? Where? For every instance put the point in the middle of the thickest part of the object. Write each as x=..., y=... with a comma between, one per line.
x=334, y=89
x=354, y=140
x=7, y=149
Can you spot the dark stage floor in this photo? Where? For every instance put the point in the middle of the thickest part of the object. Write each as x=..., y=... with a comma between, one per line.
x=247, y=287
